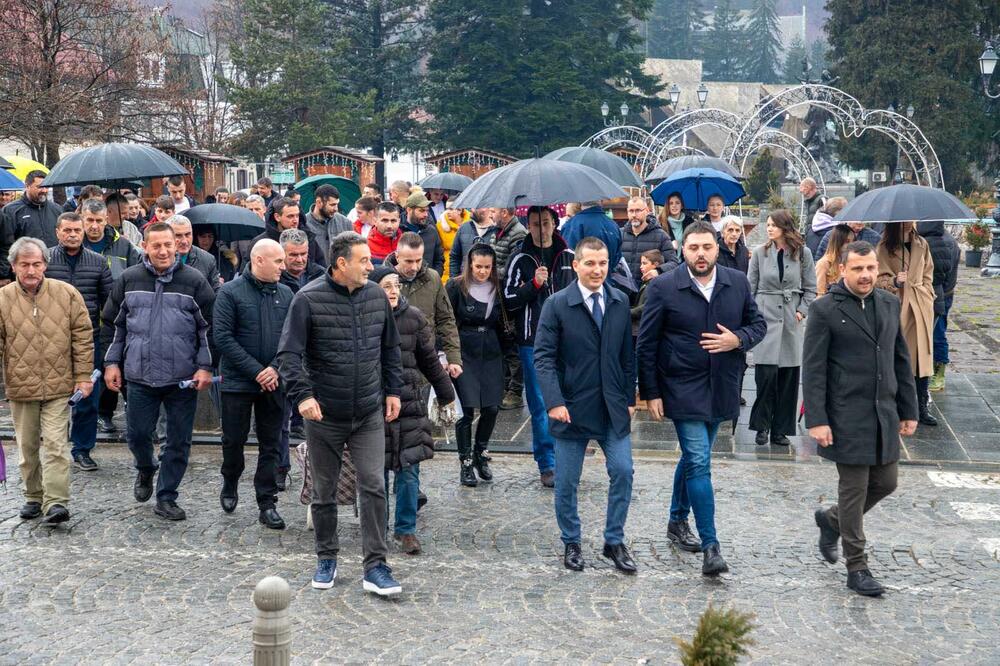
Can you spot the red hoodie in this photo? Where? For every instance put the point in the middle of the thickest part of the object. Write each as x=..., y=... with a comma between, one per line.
x=381, y=246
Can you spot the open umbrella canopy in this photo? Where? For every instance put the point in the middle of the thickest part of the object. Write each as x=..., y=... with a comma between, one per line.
x=4, y=164
x=22, y=166
x=607, y=163
x=446, y=180
x=669, y=167
x=113, y=165
x=538, y=182
x=695, y=186
x=9, y=182
x=905, y=203
x=231, y=223
x=349, y=191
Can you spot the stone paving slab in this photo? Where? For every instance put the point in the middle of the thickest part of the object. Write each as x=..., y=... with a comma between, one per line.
x=118, y=585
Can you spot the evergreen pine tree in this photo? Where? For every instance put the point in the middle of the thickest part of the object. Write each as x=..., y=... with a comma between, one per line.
x=509, y=76
x=762, y=178
x=796, y=53
x=725, y=47
x=763, y=35
x=673, y=29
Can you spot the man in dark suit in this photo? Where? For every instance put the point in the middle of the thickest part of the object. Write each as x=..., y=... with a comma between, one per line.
x=586, y=371
x=698, y=322
x=860, y=397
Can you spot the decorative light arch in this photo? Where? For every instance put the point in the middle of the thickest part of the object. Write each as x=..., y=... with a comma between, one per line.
x=800, y=160
x=665, y=136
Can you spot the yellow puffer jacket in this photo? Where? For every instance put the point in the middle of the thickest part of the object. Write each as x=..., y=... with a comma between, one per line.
x=46, y=340
x=447, y=230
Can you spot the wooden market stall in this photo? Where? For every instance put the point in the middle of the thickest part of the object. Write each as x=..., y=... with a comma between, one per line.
x=206, y=171
x=471, y=162
x=334, y=160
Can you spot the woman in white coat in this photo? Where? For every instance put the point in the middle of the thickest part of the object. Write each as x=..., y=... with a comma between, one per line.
x=783, y=282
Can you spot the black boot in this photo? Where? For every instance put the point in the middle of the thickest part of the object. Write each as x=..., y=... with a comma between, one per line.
x=760, y=439
x=463, y=440
x=467, y=475
x=481, y=461
x=923, y=398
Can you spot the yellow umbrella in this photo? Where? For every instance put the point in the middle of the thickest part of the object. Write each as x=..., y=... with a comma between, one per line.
x=23, y=166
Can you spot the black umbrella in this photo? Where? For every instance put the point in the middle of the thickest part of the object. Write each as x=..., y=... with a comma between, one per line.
x=451, y=182
x=607, y=163
x=113, y=165
x=4, y=164
x=538, y=182
x=669, y=167
x=230, y=223
x=905, y=203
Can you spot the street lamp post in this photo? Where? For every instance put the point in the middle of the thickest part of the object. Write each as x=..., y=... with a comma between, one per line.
x=987, y=65
x=617, y=120
x=702, y=94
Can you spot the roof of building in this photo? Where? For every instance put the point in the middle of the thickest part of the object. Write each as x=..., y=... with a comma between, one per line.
x=350, y=153
x=452, y=153
x=195, y=153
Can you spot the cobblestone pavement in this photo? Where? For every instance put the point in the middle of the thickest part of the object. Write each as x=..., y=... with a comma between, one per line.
x=118, y=585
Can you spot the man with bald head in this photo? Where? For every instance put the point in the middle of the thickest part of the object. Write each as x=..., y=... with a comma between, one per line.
x=249, y=313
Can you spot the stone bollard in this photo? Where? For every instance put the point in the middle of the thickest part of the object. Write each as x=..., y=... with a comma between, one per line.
x=272, y=627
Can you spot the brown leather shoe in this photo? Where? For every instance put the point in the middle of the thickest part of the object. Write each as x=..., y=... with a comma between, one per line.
x=408, y=543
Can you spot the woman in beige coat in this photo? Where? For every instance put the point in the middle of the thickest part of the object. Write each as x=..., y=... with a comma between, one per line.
x=907, y=270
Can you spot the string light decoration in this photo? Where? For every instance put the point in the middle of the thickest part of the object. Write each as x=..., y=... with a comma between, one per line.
x=349, y=164
x=472, y=162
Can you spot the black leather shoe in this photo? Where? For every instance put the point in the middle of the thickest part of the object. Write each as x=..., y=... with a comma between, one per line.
x=270, y=518
x=169, y=510
x=573, y=558
x=863, y=583
x=713, y=564
x=780, y=440
x=31, y=510
x=229, y=497
x=619, y=554
x=143, y=488
x=680, y=533
x=57, y=514
x=421, y=499
x=481, y=461
x=106, y=425
x=761, y=438
x=926, y=418
x=827, y=537
x=467, y=475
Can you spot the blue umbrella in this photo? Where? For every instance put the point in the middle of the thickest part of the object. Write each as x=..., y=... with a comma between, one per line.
x=9, y=181
x=695, y=187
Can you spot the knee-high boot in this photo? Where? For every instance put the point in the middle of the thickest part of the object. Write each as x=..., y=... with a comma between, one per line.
x=463, y=439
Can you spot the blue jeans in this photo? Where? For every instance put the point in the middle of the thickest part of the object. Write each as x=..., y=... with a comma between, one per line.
x=541, y=440
x=143, y=407
x=569, y=455
x=693, y=478
x=406, y=486
x=83, y=434
x=941, y=332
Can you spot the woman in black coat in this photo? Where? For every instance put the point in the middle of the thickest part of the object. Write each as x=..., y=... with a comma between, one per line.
x=408, y=439
x=475, y=299
x=733, y=252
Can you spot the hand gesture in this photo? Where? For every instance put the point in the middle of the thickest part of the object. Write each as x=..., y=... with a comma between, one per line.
x=716, y=343
x=541, y=275
x=268, y=378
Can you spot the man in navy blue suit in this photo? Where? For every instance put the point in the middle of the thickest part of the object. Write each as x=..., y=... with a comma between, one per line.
x=698, y=321
x=585, y=365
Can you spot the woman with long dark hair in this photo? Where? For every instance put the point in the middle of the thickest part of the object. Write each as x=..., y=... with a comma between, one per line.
x=674, y=219
x=783, y=282
x=828, y=266
x=906, y=269
x=476, y=300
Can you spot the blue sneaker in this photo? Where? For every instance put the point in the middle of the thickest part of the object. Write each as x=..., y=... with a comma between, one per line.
x=379, y=580
x=326, y=571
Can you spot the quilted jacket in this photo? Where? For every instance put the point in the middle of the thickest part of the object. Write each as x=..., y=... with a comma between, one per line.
x=46, y=340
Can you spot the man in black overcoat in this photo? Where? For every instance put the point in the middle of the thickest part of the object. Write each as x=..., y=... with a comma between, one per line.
x=859, y=398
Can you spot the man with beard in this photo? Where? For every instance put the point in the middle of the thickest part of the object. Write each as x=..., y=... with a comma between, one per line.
x=324, y=221
x=698, y=322
x=417, y=221
x=860, y=396
x=643, y=233
x=32, y=215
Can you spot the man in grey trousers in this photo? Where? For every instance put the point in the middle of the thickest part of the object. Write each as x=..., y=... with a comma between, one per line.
x=339, y=357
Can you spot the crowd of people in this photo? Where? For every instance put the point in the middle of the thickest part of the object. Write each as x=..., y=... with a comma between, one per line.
x=345, y=330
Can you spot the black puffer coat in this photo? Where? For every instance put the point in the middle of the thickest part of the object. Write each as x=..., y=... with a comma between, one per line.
x=24, y=217
x=653, y=237
x=739, y=260
x=408, y=439
x=341, y=348
x=91, y=277
x=945, y=253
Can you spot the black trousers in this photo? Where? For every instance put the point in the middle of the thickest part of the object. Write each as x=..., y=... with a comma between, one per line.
x=860, y=488
x=267, y=408
x=777, y=399
x=108, y=401
x=513, y=373
x=484, y=430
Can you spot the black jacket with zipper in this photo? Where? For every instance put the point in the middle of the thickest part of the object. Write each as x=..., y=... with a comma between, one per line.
x=523, y=296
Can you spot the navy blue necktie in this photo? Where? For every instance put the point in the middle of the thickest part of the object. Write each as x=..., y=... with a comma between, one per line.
x=597, y=312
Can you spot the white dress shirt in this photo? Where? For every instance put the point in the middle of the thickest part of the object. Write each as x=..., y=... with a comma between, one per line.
x=706, y=289
x=587, y=293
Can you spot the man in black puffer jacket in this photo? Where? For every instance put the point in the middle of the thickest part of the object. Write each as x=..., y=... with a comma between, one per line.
x=88, y=271
x=946, y=255
x=247, y=321
x=642, y=233
x=34, y=214
x=408, y=439
x=339, y=356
